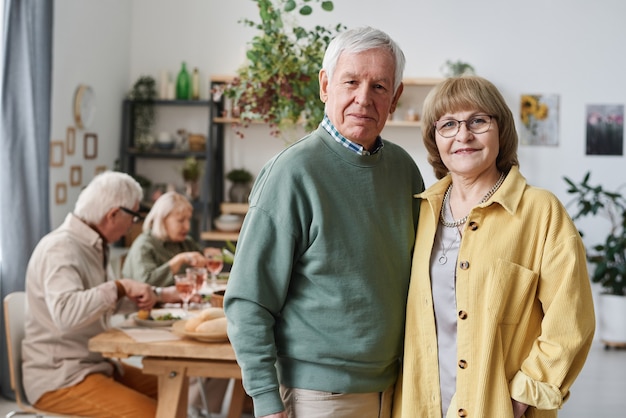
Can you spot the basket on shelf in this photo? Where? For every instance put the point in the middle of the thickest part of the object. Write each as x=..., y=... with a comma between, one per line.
x=217, y=298
x=197, y=142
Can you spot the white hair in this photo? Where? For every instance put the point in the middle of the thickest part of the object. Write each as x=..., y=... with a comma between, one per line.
x=362, y=39
x=106, y=191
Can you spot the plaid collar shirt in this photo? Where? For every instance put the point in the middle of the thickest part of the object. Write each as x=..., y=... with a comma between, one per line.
x=330, y=128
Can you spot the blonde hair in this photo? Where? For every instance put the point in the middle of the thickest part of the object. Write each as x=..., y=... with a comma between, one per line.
x=467, y=93
x=165, y=205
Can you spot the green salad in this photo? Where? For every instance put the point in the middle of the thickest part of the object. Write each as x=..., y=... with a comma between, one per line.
x=166, y=317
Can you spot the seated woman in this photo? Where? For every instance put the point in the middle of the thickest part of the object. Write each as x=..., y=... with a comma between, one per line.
x=164, y=248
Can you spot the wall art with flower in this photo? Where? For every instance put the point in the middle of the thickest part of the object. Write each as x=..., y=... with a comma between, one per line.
x=540, y=119
x=605, y=129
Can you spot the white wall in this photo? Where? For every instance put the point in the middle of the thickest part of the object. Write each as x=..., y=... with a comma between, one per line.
x=91, y=46
x=523, y=47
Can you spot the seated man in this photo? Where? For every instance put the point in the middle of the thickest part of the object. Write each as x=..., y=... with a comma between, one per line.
x=71, y=296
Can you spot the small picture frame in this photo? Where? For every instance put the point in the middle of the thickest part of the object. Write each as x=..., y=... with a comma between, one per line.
x=90, y=145
x=57, y=153
x=76, y=175
x=70, y=140
x=100, y=169
x=60, y=193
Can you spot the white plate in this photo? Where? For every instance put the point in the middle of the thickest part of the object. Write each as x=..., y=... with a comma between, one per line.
x=154, y=323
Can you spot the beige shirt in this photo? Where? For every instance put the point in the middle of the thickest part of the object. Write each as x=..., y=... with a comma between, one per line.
x=71, y=296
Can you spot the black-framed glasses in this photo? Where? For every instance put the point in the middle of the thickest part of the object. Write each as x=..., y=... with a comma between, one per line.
x=136, y=215
x=477, y=124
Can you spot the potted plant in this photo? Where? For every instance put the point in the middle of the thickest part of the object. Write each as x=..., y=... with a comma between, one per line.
x=240, y=189
x=144, y=93
x=191, y=174
x=608, y=258
x=279, y=84
x=457, y=68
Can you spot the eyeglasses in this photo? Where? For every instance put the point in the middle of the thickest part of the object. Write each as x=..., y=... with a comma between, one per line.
x=477, y=124
x=136, y=215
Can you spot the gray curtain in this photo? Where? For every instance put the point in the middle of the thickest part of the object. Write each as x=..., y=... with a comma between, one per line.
x=24, y=145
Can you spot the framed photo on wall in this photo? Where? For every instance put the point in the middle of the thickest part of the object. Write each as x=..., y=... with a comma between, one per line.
x=539, y=114
x=60, y=193
x=70, y=140
x=57, y=153
x=90, y=146
x=76, y=175
x=605, y=129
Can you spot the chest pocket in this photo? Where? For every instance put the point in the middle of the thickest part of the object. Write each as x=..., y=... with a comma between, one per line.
x=511, y=287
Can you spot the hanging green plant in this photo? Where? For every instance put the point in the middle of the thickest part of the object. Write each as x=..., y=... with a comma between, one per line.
x=143, y=93
x=279, y=85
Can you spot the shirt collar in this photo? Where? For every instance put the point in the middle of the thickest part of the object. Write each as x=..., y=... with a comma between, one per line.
x=330, y=128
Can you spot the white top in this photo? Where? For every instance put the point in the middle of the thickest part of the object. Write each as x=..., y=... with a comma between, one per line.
x=443, y=275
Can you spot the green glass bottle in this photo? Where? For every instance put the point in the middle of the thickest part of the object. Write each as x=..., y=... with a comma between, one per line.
x=183, y=84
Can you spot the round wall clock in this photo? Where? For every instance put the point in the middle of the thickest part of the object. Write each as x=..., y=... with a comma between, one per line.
x=84, y=106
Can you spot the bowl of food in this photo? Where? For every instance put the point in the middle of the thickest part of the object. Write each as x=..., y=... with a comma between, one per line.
x=228, y=222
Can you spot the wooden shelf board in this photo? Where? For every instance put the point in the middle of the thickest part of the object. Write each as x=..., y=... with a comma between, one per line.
x=234, y=208
x=422, y=81
x=156, y=153
x=219, y=236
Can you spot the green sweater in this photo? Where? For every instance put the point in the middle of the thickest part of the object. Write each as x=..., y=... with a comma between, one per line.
x=316, y=296
x=148, y=257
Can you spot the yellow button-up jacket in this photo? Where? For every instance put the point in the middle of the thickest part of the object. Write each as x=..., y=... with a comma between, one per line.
x=524, y=304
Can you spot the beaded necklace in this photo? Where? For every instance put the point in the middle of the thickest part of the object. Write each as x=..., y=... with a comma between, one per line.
x=446, y=203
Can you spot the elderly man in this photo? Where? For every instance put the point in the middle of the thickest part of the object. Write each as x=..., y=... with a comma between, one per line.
x=71, y=295
x=316, y=297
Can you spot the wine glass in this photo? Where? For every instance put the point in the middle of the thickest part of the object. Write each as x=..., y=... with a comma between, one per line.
x=199, y=276
x=186, y=287
x=215, y=264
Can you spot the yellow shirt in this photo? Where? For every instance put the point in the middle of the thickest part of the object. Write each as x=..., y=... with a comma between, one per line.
x=524, y=306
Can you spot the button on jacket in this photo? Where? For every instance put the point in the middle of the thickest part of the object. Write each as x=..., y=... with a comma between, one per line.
x=524, y=302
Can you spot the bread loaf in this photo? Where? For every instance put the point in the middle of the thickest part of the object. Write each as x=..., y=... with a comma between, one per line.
x=213, y=328
x=204, y=315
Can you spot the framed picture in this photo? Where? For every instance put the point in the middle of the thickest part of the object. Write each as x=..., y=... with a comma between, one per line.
x=605, y=129
x=60, y=193
x=90, y=146
x=100, y=169
x=57, y=153
x=70, y=140
x=539, y=114
x=76, y=175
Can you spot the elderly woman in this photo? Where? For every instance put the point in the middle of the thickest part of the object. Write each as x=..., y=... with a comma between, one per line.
x=164, y=248
x=500, y=315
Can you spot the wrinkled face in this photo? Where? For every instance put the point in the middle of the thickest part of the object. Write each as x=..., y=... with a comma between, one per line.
x=120, y=224
x=466, y=153
x=360, y=96
x=177, y=224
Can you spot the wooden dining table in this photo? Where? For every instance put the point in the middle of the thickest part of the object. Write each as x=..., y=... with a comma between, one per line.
x=173, y=362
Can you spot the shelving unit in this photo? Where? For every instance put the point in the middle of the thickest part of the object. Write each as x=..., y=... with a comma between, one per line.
x=415, y=90
x=226, y=207
x=211, y=192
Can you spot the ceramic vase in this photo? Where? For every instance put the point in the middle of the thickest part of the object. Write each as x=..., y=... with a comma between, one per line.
x=239, y=192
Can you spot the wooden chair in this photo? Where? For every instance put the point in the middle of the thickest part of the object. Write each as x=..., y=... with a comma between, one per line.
x=15, y=307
